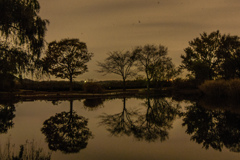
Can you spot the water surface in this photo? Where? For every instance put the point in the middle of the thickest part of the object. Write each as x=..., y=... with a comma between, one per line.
x=131, y=128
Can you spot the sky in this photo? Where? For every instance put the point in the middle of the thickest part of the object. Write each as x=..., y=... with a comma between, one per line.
x=121, y=25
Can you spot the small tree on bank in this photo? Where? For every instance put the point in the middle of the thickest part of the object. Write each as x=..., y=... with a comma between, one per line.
x=67, y=59
x=118, y=63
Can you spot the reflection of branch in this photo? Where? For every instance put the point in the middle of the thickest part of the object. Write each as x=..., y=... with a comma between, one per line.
x=120, y=123
x=151, y=126
x=157, y=121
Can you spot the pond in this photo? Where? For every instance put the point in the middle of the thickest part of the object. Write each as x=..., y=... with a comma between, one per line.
x=121, y=128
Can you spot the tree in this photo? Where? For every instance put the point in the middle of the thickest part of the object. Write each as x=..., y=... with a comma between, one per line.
x=165, y=70
x=213, y=56
x=149, y=58
x=200, y=58
x=118, y=63
x=67, y=59
x=12, y=60
x=20, y=21
x=22, y=36
x=229, y=57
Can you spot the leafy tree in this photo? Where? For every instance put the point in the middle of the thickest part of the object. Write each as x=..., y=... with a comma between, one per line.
x=20, y=21
x=22, y=36
x=229, y=57
x=67, y=59
x=200, y=58
x=118, y=63
x=67, y=131
x=12, y=60
x=213, y=56
x=149, y=58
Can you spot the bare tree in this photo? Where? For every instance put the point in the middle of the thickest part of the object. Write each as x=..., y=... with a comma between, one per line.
x=118, y=63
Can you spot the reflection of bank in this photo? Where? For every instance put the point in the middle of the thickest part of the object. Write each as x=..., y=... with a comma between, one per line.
x=93, y=103
x=67, y=131
x=213, y=128
x=152, y=125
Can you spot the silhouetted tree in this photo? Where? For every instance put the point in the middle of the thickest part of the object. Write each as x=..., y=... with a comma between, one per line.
x=212, y=56
x=13, y=61
x=118, y=63
x=22, y=36
x=20, y=21
x=149, y=59
x=67, y=132
x=228, y=56
x=200, y=58
x=67, y=59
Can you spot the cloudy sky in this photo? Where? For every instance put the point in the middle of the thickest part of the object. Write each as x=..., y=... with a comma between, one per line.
x=120, y=25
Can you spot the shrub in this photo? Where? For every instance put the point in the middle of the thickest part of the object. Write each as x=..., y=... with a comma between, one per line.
x=91, y=87
x=234, y=88
x=184, y=84
x=221, y=88
x=218, y=88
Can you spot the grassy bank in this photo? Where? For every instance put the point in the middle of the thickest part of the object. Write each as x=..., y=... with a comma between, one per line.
x=221, y=88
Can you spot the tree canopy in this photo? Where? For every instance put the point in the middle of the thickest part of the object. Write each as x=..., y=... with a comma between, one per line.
x=21, y=23
x=67, y=58
x=212, y=56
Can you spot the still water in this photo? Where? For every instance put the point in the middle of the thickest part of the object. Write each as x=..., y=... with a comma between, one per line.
x=125, y=128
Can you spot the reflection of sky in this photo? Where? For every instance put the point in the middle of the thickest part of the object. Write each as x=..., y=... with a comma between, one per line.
x=123, y=24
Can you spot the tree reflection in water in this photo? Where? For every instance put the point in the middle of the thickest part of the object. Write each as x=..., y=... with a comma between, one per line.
x=213, y=128
x=151, y=126
x=157, y=121
x=67, y=131
x=6, y=116
x=121, y=123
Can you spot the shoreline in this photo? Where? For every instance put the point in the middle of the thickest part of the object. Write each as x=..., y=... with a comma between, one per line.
x=29, y=95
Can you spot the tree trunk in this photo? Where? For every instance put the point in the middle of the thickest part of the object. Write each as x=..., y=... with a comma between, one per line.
x=70, y=85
